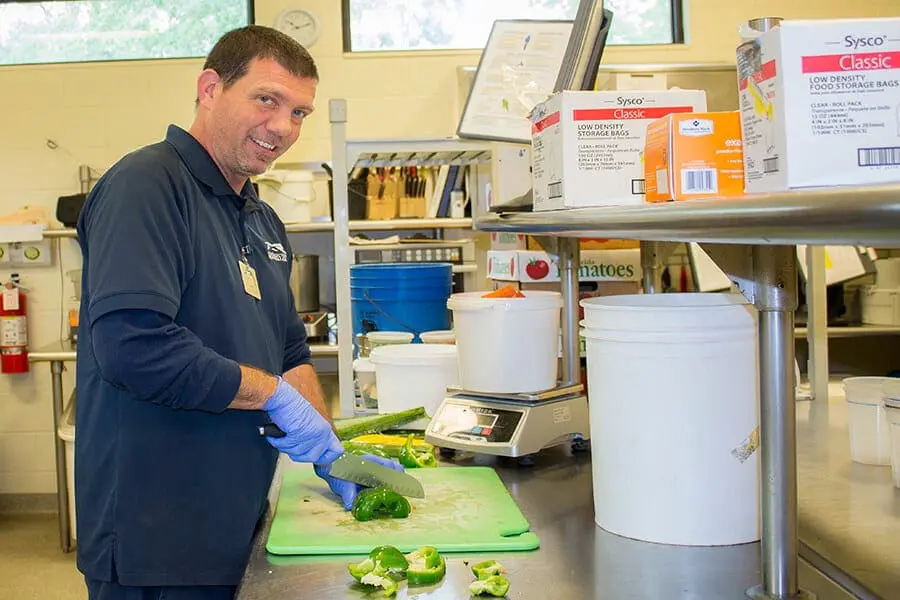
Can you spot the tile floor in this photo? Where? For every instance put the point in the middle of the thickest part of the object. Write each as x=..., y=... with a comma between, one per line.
x=32, y=567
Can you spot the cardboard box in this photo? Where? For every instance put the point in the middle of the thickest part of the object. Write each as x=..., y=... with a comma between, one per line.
x=819, y=104
x=587, y=147
x=596, y=265
x=694, y=155
x=532, y=243
x=505, y=240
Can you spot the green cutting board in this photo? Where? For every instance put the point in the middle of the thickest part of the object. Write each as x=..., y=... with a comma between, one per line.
x=464, y=509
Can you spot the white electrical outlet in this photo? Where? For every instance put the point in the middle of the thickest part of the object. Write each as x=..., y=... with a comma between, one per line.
x=30, y=254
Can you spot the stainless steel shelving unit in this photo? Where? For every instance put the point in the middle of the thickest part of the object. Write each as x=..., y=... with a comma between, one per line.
x=752, y=239
x=351, y=154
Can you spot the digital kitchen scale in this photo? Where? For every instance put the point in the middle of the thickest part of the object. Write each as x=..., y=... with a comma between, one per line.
x=514, y=425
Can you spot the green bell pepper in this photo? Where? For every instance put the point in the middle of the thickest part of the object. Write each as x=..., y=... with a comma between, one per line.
x=426, y=566
x=492, y=586
x=379, y=503
x=350, y=449
x=357, y=571
x=488, y=568
x=390, y=560
x=383, y=581
x=412, y=458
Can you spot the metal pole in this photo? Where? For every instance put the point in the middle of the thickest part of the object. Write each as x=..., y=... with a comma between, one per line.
x=569, y=262
x=775, y=271
x=62, y=497
x=651, y=267
x=817, y=322
x=84, y=178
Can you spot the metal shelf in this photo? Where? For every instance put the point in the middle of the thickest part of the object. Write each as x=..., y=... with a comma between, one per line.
x=398, y=224
x=323, y=349
x=851, y=215
x=311, y=226
x=397, y=153
x=853, y=331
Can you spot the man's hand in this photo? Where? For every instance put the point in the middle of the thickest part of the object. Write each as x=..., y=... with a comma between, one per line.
x=308, y=436
x=347, y=490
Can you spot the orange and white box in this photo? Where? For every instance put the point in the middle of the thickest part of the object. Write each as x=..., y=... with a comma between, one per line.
x=587, y=148
x=694, y=155
x=820, y=104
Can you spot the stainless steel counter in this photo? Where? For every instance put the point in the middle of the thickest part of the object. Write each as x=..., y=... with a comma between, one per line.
x=849, y=513
x=577, y=560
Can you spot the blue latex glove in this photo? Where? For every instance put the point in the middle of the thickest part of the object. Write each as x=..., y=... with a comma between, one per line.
x=347, y=490
x=310, y=437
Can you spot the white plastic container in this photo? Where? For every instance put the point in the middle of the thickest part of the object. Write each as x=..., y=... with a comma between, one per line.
x=365, y=379
x=446, y=336
x=870, y=442
x=880, y=306
x=888, y=273
x=892, y=413
x=412, y=375
x=290, y=193
x=674, y=415
x=506, y=345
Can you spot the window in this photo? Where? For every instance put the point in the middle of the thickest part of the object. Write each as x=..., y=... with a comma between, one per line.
x=372, y=25
x=93, y=30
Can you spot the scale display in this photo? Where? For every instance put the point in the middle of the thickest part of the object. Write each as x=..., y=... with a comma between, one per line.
x=466, y=421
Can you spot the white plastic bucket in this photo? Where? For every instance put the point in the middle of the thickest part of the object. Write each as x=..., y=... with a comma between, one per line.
x=506, y=345
x=888, y=273
x=412, y=375
x=880, y=306
x=365, y=380
x=290, y=193
x=892, y=412
x=870, y=442
x=438, y=337
x=674, y=415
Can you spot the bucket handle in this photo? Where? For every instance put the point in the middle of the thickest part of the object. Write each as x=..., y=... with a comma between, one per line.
x=403, y=326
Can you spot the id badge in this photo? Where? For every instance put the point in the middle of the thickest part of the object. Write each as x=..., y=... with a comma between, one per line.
x=248, y=276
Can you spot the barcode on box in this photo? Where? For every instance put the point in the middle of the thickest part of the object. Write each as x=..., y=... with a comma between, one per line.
x=554, y=190
x=699, y=181
x=637, y=186
x=662, y=181
x=770, y=165
x=878, y=157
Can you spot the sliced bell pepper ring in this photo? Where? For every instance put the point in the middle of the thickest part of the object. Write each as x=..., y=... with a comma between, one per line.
x=383, y=581
x=496, y=586
x=488, y=568
x=379, y=503
x=426, y=566
x=390, y=560
x=412, y=458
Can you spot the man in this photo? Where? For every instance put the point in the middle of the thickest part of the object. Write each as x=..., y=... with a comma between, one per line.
x=187, y=313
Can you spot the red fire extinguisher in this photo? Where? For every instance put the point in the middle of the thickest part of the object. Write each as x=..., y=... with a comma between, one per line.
x=13, y=328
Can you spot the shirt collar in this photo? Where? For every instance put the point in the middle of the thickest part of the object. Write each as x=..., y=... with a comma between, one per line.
x=203, y=168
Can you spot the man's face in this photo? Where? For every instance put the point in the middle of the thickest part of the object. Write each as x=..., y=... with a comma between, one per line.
x=257, y=119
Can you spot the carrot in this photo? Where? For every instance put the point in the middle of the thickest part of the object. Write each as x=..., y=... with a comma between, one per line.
x=507, y=291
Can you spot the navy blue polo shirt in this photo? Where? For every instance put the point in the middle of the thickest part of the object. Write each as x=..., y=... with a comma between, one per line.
x=170, y=484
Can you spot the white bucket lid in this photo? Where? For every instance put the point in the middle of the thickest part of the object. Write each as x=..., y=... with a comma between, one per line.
x=389, y=337
x=533, y=300
x=414, y=354
x=654, y=302
x=891, y=388
x=439, y=334
x=866, y=383
x=892, y=403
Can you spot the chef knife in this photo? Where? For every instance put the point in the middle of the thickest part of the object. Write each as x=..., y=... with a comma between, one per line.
x=350, y=467
x=358, y=470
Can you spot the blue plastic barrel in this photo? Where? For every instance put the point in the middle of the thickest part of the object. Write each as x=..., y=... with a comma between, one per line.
x=400, y=297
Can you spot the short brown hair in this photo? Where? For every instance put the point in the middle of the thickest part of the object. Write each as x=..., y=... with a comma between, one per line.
x=233, y=53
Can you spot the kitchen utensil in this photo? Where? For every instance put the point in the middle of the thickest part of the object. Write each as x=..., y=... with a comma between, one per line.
x=305, y=282
x=466, y=509
x=350, y=467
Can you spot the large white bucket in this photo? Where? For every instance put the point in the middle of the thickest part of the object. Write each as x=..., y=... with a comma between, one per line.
x=506, y=345
x=674, y=414
x=290, y=193
x=411, y=375
x=867, y=424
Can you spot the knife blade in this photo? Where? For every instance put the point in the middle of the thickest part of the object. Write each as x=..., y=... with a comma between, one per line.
x=358, y=470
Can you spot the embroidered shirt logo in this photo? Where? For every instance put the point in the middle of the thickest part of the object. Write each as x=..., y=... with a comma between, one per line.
x=276, y=252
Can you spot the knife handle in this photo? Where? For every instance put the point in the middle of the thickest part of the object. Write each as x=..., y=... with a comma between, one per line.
x=271, y=430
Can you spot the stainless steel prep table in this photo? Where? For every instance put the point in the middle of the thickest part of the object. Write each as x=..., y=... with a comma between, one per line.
x=577, y=559
x=57, y=354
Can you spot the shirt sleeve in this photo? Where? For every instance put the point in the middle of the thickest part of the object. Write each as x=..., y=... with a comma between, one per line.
x=159, y=361
x=136, y=242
